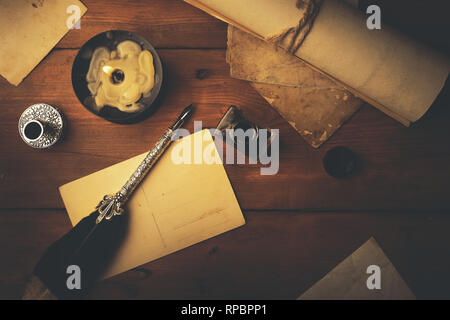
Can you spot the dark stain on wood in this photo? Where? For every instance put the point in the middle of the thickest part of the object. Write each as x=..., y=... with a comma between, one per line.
x=202, y=74
x=213, y=250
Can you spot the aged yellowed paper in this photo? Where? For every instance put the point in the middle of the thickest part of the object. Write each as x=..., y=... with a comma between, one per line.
x=394, y=73
x=176, y=206
x=315, y=106
x=29, y=29
x=349, y=280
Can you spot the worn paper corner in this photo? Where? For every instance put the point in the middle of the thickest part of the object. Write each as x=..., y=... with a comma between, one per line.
x=367, y=274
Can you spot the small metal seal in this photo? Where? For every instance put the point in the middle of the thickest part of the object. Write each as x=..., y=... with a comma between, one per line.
x=41, y=126
x=234, y=119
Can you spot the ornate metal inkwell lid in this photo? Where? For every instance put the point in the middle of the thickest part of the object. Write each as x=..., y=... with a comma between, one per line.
x=41, y=126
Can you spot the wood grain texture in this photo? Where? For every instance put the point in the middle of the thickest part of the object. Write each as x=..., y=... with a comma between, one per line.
x=402, y=168
x=276, y=255
x=165, y=23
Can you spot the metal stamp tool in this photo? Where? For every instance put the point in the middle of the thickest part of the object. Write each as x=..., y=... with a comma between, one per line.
x=233, y=120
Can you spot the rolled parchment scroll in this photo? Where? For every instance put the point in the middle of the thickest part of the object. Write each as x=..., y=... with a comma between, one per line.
x=392, y=72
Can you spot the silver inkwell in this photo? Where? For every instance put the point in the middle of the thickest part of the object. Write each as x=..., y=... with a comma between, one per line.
x=41, y=126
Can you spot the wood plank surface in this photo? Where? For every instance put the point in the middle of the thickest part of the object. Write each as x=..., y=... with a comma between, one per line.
x=402, y=168
x=276, y=255
x=176, y=24
x=300, y=223
x=165, y=23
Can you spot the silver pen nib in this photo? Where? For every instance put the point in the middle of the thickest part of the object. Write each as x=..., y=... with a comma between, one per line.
x=186, y=112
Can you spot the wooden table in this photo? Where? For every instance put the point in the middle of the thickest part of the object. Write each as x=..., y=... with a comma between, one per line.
x=300, y=223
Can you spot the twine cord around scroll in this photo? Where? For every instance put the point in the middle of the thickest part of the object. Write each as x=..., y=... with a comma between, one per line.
x=292, y=38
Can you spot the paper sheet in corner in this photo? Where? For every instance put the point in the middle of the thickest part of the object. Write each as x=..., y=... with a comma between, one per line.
x=176, y=206
x=29, y=29
x=348, y=280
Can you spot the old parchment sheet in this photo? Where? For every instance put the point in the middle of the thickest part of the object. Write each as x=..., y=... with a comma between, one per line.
x=348, y=280
x=176, y=206
x=390, y=71
x=315, y=106
x=29, y=29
